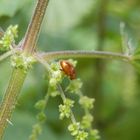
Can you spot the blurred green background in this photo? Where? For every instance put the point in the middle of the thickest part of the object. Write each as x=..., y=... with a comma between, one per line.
x=79, y=25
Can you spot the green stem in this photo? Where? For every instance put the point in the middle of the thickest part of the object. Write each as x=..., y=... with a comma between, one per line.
x=18, y=75
x=83, y=54
x=32, y=33
x=62, y=94
x=10, y=98
x=7, y=54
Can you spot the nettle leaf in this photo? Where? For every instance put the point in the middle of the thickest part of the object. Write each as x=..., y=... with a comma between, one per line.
x=10, y=7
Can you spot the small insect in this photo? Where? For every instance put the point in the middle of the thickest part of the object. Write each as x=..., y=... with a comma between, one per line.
x=68, y=69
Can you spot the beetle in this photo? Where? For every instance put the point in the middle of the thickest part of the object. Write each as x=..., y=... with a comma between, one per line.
x=68, y=69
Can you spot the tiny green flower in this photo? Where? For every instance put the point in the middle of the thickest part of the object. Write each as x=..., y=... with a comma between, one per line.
x=36, y=131
x=82, y=135
x=41, y=117
x=21, y=61
x=77, y=131
x=8, y=38
x=55, y=75
x=75, y=86
x=40, y=105
x=54, y=66
x=86, y=102
x=94, y=133
x=74, y=128
x=53, y=91
x=65, y=110
x=87, y=121
x=13, y=30
x=69, y=102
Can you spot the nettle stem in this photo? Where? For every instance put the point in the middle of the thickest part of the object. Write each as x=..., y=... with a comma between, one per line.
x=18, y=75
x=83, y=54
x=32, y=33
x=5, y=55
x=10, y=98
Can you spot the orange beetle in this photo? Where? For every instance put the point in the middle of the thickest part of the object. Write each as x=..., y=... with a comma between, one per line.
x=68, y=69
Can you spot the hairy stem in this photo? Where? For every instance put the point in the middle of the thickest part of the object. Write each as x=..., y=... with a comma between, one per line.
x=32, y=33
x=83, y=54
x=10, y=98
x=7, y=54
x=18, y=75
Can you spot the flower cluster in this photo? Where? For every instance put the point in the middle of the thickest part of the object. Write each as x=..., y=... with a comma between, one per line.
x=55, y=77
x=86, y=102
x=80, y=130
x=40, y=105
x=74, y=86
x=21, y=61
x=41, y=118
x=87, y=121
x=8, y=38
x=77, y=131
x=65, y=110
x=35, y=132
